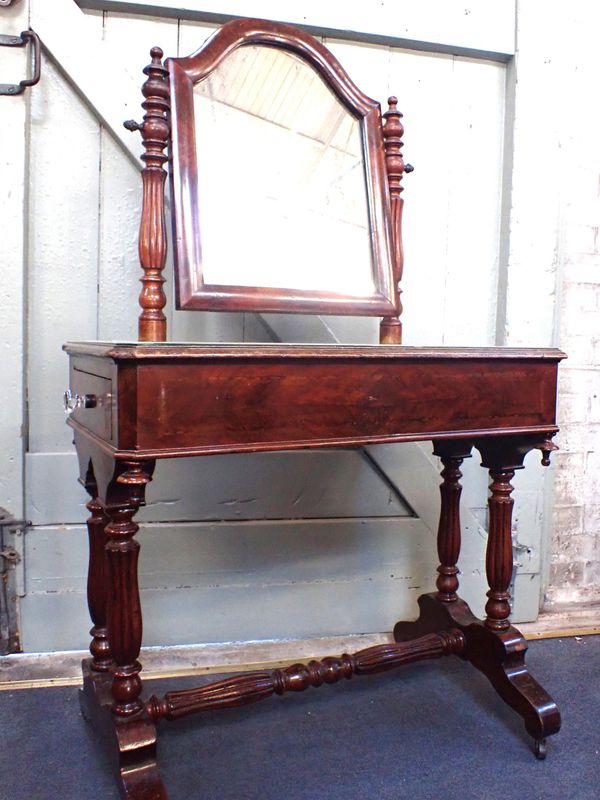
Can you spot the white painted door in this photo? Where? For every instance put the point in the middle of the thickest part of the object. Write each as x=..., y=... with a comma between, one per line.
x=271, y=545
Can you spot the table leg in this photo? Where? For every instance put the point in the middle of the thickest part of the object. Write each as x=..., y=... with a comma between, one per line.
x=493, y=646
x=124, y=608
x=111, y=700
x=499, y=555
x=496, y=648
x=452, y=454
x=96, y=582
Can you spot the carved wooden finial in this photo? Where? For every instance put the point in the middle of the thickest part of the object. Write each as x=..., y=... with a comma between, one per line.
x=153, y=239
x=393, y=130
x=547, y=447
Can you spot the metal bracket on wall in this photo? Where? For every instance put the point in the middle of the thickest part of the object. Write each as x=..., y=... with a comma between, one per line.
x=12, y=584
x=21, y=41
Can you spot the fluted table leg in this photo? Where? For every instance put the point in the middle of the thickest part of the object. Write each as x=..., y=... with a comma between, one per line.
x=499, y=555
x=96, y=582
x=452, y=454
x=124, y=607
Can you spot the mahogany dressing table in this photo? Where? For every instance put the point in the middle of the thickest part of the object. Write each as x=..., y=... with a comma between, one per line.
x=338, y=161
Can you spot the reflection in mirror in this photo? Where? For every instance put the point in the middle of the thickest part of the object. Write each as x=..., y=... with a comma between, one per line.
x=281, y=178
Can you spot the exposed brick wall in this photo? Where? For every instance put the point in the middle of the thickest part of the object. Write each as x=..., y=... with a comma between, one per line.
x=575, y=559
x=575, y=548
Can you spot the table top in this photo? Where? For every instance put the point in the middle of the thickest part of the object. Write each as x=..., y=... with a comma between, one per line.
x=202, y=350
x=166, y=400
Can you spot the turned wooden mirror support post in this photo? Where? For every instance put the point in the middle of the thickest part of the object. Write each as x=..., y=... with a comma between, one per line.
x=130, y=404
x=153, y=233
x=390, y=330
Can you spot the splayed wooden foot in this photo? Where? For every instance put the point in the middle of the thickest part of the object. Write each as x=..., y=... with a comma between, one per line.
x=131, y=742
x=499, y=655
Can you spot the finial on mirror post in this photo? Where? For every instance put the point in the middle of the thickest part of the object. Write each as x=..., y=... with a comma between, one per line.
x=390, y=331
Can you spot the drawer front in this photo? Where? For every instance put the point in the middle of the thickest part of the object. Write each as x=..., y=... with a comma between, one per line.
x=228, y=406
x=99, y=418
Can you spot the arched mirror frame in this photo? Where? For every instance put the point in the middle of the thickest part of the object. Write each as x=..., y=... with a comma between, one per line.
x=191, y=291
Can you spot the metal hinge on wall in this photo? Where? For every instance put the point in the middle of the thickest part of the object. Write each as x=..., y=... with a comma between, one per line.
x=11, y=579
x=21, y=41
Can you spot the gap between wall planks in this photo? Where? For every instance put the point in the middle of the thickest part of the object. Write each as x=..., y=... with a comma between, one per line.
x=36, y=671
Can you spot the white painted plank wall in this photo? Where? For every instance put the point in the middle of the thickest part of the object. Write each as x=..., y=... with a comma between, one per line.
x=555, y=256
x=84, y=285
x=13, y=66
x=248, y=581
x=328, y=484
x=103, y=257
x=70, y=38
x=64, y=169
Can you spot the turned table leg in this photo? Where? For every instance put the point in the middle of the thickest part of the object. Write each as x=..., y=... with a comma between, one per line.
x=96, y=582
x=448, y=537
x=124, y=608
x=499, y=555
x=435, y=608
x=110, y=697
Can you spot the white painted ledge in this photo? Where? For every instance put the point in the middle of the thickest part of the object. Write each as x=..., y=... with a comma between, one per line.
x=479, y=28
x=32, y=670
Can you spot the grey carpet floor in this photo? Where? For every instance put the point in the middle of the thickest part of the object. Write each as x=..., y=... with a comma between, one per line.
x=430, y=730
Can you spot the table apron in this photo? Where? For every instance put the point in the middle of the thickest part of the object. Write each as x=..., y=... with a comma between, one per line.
x=220, y=406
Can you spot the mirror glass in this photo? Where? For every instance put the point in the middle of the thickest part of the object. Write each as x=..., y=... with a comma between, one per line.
x=281, y=178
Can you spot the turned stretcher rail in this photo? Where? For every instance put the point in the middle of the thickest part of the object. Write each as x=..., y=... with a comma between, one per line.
x=242, y=690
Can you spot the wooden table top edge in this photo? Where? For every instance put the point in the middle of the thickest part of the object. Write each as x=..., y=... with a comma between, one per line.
x=176, y=350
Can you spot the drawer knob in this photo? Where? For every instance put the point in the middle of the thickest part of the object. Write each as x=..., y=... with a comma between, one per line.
x=72, y=401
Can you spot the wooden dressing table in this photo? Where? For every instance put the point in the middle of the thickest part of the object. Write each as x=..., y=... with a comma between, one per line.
x=133, y=403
